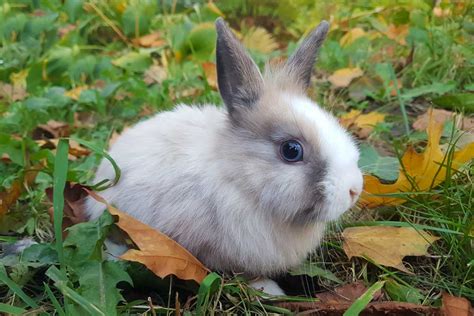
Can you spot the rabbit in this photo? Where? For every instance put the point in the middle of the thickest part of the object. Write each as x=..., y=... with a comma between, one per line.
x=246, y=188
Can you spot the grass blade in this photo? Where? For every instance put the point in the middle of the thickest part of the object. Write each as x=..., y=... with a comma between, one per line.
x=106, y=183
x=11, y=310
x=15, y=288
x=360, y=303
x=59, y=182
x=54, y=300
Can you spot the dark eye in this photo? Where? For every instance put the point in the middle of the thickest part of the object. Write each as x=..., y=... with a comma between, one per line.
x=291, y=151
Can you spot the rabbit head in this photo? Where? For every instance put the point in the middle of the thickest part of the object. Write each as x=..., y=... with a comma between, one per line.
x=284, y=151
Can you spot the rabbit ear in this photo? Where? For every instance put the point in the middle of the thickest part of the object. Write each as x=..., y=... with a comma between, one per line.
x=240, y=82
x=301, y=63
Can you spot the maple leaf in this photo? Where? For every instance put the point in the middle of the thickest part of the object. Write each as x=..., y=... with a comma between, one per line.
x=211, y=74
x=342, y=78
x=159, y=253
x=386, y=245
x=362, y=124
x=418, y=172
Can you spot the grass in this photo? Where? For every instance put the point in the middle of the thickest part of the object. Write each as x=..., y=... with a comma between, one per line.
x=83, y=64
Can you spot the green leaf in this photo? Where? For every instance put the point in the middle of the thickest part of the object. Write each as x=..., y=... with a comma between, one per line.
x=60, y=281
x=85, y=241
x=438, y=88
x=40, y=255
x=133, y=61
x=403, y=293
x=360, y=303
x=462, y=101
x=313, y=270
x=98, y=284
x=386, y=168
x=202, y=40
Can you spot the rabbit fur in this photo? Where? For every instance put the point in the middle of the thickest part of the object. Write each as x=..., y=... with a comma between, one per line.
x=212, y=178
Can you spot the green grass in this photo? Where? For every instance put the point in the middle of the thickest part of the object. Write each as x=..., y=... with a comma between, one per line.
x=50, y=48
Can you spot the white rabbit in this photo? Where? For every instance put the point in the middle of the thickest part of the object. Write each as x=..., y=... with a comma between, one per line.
x=246, y=188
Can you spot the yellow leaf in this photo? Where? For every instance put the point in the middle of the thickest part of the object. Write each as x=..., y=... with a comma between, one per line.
x=159, y=253
x=351, y=36
x=425, y=170
x=258, y=38
x=149, y=40
x=362, y=124
x=19, y=79
x=342, y=78
x=213, y=8
x=397, y=33
x=211, y=74
x=76, y=92
x=385, y=245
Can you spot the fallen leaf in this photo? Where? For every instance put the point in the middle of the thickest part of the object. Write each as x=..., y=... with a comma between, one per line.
x=456, y=306
x=361, y=124
x=386, y=245
x=55, y=129
x=441, y=116
x=159, y=253
x=74, y=211
x=347, y=293
x=211, y=74
x=65, y=30
x=419, y=171
x=440, y=12
x=155, y=74
x=75, y=149
x=12, y=93
x=342, y=78
x=150, y=40
x=397, y=33
x=259, y=39
x=75, y=93
x=9, y=196
x=374, y=308
x=351, y=36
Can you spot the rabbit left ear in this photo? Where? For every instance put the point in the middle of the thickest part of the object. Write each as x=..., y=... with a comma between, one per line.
x=301, y=63
x=239, y=80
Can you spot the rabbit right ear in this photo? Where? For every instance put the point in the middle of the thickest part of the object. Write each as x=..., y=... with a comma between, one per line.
x=239, y=80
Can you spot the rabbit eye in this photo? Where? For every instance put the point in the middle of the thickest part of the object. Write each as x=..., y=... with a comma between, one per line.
x=291, y=151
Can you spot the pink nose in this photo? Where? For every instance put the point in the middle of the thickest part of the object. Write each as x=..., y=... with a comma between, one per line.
x=354, y=193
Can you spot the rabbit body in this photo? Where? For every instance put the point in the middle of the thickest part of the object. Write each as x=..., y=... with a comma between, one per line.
x=246, y=188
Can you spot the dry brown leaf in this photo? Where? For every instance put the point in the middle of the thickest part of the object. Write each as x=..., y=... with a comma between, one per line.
x=211, y=74
x=342, y=78
x=425, y=170
x=374, y=308
x=386, y=245
x=441, y=116
x=361, y=124
x=55, y=129
x=75, y=149
x=9, y=196
x=157, y=252
x=74, y=210
x=65, y=30
x=397, y=33
x=456, y=306
x=351, y=36
x=155, y=74
x=150, y=40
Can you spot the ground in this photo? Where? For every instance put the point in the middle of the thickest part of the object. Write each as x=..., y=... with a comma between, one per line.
x=75, y=74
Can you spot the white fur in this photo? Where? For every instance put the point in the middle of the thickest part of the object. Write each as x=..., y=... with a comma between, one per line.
x=338, y=149
x=268, y=286
x=172, y=144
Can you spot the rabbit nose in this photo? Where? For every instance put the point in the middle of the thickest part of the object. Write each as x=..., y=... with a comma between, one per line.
x=354, y=193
